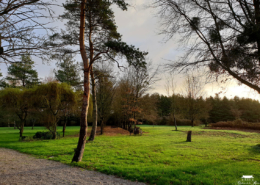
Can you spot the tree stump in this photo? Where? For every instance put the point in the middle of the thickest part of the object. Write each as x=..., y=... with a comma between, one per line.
x=189, y=136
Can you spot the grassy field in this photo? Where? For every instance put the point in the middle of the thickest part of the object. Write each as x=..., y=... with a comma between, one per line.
x=160, y=156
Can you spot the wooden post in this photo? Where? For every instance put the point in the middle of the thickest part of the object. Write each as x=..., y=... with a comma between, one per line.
x=189, y=136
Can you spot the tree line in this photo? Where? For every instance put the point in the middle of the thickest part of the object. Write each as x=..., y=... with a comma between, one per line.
x=121, y=100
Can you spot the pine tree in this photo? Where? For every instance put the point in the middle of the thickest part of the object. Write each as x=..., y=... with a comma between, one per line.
x=68, y=71
x=91, y=26
x=22, y=73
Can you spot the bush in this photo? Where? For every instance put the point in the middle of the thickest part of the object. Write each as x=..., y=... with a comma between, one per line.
x=236, y=124
x=45, y=135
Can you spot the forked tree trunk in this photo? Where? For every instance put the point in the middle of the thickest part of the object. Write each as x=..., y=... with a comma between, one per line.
x=189, y=136
x=85, y=104
x=94, y=99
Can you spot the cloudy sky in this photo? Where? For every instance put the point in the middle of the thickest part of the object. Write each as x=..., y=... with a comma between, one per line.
x=139, y=26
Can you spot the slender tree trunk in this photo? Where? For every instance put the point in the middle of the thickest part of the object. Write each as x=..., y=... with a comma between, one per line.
x=102, y=126
x=64, y=127
x=21, y=128
x=85, y=102
x=192, y=122
x=175, y=124
x=54, y=133
x=32, y=124
x=14, y=124
x=94, y=99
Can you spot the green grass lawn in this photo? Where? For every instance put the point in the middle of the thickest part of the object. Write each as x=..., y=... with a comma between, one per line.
x=160, y=156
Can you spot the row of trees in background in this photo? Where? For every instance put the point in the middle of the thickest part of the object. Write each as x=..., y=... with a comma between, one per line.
x=122, y=100
x=45, y=103
x=207, y=110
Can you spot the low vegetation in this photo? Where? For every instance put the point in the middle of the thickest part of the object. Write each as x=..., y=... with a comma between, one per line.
x=237, y=124
x=159, y=156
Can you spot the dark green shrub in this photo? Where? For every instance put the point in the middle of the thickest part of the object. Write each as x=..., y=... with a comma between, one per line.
x=45, y=135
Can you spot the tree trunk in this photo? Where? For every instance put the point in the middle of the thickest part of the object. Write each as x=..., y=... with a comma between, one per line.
x=102, y=126
x=54, y=133
x=64, y=127
x=14, y=124
x=94, y=99
x=85, y=102
x=189, y=136
x=192, y=122
x=175, y=124
x=21, y=128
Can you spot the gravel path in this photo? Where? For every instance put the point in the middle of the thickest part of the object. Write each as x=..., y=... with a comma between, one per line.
x=22, y=169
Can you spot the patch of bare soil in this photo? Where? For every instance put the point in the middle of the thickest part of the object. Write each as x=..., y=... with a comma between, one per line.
x=231, y=128
x=113, y=131
x=21, y=169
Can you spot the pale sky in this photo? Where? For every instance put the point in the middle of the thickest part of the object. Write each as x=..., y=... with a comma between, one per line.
x=140, y=27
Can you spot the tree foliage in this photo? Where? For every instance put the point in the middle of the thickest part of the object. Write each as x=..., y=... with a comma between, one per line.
x=22, y=73
x=18, y=102
x=220, y=35
x=20, y=22
x=50, y=99
x=68, y=71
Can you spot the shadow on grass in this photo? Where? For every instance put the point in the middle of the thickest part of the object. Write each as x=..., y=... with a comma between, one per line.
x=255, y=149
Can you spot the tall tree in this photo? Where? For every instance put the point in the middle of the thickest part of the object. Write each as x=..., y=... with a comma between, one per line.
x=68, y=71
x=50, y=99
x=194, y=106
x=97, y=28
x=18, y=102
x=94, y=101
x=22, y=73
x=105, y=94
x=222, y=35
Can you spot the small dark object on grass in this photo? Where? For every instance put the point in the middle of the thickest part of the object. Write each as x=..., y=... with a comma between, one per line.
x=137, y=130
x=23, y=138
x=189, y=136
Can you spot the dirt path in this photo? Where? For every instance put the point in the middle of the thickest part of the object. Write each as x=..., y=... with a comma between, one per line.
x=22, y=169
